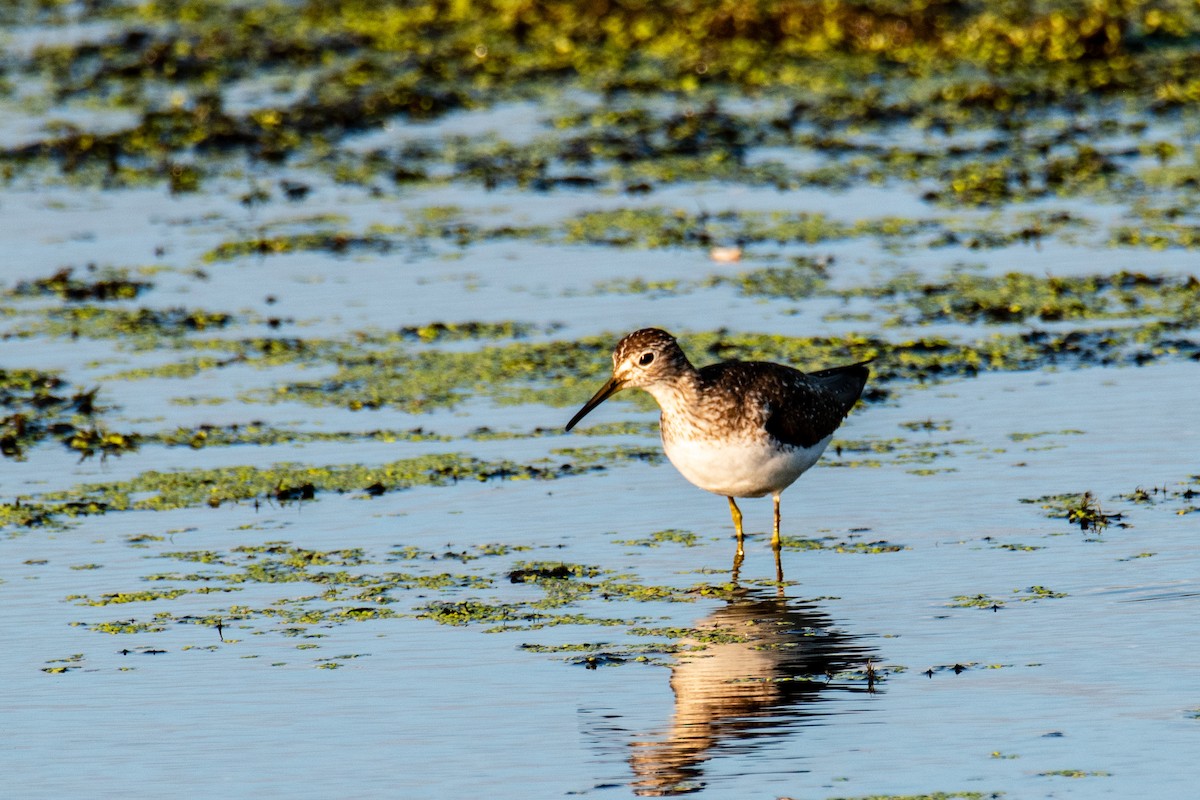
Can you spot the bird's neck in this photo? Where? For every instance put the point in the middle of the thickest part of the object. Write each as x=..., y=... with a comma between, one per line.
x=678, y=394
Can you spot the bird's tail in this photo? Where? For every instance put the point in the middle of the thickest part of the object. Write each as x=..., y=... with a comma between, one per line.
x=845, y=382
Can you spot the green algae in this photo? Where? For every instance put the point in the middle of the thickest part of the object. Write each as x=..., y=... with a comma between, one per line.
x=1079, y=509
x=983, y=601
x=563, y=373
x=39, y=409
x=368, y=64
x=120, y=598
x=138, y=328
x=103, y=285
x=928, y=796
x=1013, y=297
x=1026, y=436
x=658, y=227
x=1017, y=297
x=125, y=627
x=659, y=538
x=338, y=243
x=539, y=571
x=289, y=482
x=262, y=435
x=700, y=635
x=836, y=545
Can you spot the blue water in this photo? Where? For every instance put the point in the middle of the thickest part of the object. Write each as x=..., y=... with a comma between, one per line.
x=1101, y=682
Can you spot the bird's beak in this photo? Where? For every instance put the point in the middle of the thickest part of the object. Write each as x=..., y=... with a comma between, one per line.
x=611, y=387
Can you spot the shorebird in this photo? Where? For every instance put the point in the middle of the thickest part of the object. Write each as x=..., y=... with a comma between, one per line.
x=738, y=428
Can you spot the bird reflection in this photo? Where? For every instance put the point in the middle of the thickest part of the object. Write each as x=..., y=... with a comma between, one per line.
x=765, y=664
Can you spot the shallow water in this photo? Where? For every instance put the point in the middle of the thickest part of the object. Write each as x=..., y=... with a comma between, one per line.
x=942, y=626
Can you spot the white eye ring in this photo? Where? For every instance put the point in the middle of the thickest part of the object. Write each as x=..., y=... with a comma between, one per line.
x=646, y=359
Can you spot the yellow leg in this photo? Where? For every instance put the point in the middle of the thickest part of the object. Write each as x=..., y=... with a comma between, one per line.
x=737, y=524
x=775, y=537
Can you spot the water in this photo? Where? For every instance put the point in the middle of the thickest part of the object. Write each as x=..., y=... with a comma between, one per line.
x=864, y=673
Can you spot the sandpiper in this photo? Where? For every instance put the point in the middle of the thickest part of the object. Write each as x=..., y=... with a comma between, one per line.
x=738, y=428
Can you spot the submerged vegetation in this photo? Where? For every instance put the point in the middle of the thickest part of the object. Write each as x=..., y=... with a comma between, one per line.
x=844, y=65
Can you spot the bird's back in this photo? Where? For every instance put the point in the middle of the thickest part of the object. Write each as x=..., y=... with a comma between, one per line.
x=794, y=407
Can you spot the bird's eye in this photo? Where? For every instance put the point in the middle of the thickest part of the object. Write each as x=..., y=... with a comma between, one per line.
x=646, y=359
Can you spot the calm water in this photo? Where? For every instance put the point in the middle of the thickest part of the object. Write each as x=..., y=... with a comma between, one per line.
x=1087, y=691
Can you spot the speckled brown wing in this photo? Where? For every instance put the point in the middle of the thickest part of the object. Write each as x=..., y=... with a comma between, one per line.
x=795, y=408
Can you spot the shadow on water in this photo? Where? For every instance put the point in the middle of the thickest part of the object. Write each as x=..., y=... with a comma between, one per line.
x=768, y=664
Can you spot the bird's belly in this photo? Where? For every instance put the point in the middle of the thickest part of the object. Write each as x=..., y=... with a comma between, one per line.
x=741, y=469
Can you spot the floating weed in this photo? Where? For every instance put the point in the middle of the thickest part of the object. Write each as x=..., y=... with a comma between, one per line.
x=104, y=285
x=295, y=482
x=836, y=545
x=469, y=612
x=537, y=571
x=554, y=620
x=36, y=407
x=1038, y=593
x=957, y=669
x=1074, y=773
x=927, y=796
x=1016, y=297
x=462, y=331
x=1032, y=593
x=604, y=654
x=24, y=514
x=699, y=635
x=119, y=598
x=90, y=441
x=260, y=434
x=1024, y=437
x=138, y=328
x=336, y=242
x=1079, y=509
x=927, y=424
x=379, y=370
x=976, y=601
x=665, y=288
x=63, y=665
x=1160, y=494
x=130, y=626
x=669, y=536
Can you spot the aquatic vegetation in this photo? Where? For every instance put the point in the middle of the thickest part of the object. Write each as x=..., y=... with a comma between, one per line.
x=260, y=434
x=929, y=796
x=537, y=571
x=1080, y=509
x=658, y=538
x=983, y=601
x=135, y=328
x=106, y=284
x=832, y=543
x=129, y=597
x=289, y=482
x=339, y=243
x=37, y=408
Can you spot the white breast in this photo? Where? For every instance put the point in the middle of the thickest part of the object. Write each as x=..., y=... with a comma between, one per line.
x=741, y=469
